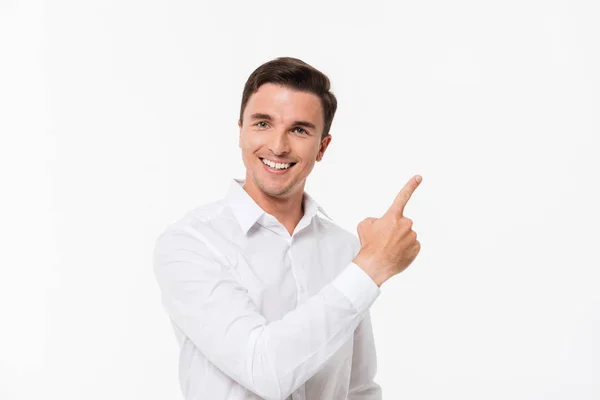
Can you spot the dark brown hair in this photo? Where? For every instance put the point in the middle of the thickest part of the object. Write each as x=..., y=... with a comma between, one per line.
x=298, y=75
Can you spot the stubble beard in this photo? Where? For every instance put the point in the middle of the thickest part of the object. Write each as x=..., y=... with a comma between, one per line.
x=279, y=192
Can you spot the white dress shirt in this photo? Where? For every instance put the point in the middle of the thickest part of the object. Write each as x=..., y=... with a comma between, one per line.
x=260, y=314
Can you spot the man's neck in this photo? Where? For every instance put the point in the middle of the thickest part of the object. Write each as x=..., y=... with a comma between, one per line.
x=288, y=211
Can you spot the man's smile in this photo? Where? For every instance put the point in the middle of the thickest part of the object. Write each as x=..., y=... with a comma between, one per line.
x=276, y=166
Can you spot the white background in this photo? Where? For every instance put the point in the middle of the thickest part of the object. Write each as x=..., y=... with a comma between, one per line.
x=117, y=117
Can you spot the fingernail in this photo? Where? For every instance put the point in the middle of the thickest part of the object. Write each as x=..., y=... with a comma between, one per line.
x=419, y=178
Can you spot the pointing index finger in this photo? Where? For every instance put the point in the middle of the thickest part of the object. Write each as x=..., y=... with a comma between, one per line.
x=404, y=195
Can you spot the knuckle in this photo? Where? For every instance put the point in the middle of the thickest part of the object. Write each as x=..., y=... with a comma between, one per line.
x=362, y=224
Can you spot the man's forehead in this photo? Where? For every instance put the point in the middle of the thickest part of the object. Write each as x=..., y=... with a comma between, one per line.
x=281, y=102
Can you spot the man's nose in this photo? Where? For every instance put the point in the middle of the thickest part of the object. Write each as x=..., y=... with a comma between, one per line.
x=279, y=142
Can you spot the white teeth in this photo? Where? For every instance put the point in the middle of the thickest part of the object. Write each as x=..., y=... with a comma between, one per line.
x=275, y=165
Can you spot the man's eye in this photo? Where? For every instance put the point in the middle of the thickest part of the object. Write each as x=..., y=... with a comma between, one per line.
x=303, y=131
x=261, y=122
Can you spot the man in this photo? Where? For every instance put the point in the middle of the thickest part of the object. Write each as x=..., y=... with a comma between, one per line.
x=269, y=299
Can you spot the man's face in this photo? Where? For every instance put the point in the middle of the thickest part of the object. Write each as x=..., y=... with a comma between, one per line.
x=285, y=126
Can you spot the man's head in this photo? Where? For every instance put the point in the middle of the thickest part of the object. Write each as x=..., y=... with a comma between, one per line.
x=285, y=116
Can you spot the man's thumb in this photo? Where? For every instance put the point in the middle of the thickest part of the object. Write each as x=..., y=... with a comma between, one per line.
x=360, y=229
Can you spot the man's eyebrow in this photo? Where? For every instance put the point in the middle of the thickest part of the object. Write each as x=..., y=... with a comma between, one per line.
x=305, y=123
x=296, y=123
x=261, y=116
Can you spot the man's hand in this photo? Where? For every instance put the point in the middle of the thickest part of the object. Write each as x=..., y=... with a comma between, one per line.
x=388, y=244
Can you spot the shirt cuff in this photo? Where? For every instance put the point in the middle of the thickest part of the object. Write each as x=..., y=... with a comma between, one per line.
x=354, y=283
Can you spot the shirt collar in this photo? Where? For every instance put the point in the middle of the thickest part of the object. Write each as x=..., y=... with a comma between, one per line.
x=247, y=212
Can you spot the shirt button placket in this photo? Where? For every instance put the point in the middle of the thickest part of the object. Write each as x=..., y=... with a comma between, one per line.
x=298, y=275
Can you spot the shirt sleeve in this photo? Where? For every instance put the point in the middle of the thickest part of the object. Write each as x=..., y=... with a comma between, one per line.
x=272, y=359
x=364, y=364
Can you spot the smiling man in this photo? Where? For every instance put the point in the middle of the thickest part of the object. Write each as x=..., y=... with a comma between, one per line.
x=260, y=286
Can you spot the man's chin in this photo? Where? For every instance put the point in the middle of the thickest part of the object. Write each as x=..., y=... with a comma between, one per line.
x=273, y=189
x=274, y=192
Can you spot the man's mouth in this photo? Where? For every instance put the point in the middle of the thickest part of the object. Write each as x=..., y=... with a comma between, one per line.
x=277, y=166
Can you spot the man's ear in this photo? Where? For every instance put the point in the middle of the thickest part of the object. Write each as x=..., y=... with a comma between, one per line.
x=324, y=143
x=240, y=136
